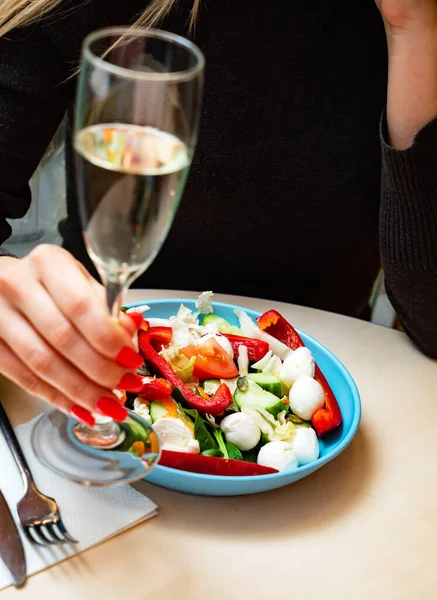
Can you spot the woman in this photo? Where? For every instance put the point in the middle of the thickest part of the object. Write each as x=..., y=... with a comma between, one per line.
x=285, y=188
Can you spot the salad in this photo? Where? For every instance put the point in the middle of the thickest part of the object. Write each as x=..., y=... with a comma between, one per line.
x=227, y=400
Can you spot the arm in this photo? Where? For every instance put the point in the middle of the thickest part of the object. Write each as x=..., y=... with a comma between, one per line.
x=33, y=100
x=408, y=220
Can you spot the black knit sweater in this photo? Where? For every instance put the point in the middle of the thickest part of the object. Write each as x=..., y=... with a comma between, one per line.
x=285, y=199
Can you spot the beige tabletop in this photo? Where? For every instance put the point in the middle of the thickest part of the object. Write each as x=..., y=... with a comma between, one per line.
x=364, y=526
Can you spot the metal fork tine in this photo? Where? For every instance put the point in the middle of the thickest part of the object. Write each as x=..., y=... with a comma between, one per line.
x=65, y=533
x=38, y=514
x=28, y=535
x=55, y=532
x=45, y=532
x=34, y=536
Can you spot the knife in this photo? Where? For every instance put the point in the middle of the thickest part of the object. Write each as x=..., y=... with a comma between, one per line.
x=11, y=546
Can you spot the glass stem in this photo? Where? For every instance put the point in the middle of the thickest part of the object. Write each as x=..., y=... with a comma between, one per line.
x=115, y=291
x=105, y=432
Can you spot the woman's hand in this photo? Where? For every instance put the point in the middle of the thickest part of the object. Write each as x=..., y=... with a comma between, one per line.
x=57, y=339
x=411, y=27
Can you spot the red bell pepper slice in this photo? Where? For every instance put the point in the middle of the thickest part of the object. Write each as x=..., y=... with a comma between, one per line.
x=256, y=349
x=274, y=323
x=215, y=405
x=210, y=465
x=157, y=389
x=328, y=417
x=160, y=336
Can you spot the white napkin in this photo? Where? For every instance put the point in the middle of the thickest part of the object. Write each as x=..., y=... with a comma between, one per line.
x=91, y=515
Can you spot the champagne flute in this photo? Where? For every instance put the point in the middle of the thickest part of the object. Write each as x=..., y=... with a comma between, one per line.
x=137, y=115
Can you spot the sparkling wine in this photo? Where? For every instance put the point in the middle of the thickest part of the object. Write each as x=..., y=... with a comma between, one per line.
x=132, y=179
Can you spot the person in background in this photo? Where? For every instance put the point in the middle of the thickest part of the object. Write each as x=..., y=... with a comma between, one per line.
x=316, y=160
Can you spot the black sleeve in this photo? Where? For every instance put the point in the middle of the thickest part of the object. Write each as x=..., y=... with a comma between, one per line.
x=35, y=89
x=408, y=233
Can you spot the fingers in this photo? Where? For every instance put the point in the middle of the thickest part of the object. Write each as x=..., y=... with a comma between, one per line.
x=100, y=293
x=46, y=363
x=40, y=310
x=17, y=371
x=128, y=324
x=57, y=338
x=74, y=297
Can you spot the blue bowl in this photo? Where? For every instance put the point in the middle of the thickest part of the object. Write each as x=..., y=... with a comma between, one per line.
x=331, y=445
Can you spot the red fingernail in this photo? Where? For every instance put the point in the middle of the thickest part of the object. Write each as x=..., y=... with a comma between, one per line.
x=129, y=358
x=137, y=318
x=111, y=408
x=130, y=382
x=82, y=414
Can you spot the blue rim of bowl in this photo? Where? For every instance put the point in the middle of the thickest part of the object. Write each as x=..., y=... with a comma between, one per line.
x=307, y=469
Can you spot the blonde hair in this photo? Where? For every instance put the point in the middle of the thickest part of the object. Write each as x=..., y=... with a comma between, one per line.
x=18, y=13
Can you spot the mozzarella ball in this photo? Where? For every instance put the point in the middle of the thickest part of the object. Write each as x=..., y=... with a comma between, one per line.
x=306, y=445
x=300, y=362
x=241, y=430
x=278, y=455
x=174, y=434
x=220, y=339
x=193, y=447
x=306, y=396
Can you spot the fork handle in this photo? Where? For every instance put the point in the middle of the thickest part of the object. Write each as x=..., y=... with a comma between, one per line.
x=13, y=443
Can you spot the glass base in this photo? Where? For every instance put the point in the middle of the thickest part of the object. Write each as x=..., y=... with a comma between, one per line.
x=56, y=441
x=105, y=434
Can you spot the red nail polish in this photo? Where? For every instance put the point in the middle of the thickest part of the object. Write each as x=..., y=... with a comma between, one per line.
x=129, y=358
x=82, y=414
x=111, y=408
x=137, y=318
x=130, y=382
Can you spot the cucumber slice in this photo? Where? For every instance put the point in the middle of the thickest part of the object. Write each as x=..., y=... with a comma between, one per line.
x=134, y=432
x=223, y=326
x=157, y=411
x=268, y=382
x=256, y=396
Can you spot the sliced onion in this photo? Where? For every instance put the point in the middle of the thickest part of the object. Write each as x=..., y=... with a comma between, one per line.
x=261, y=364
x=273, y=366
x=139, y=309
x=231, y=384
x=243, y=360
x=156, y=322
x=251, y=329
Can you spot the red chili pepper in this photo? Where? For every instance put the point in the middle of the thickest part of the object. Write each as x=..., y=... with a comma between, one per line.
x=256, y=349
x=329, y=416
x=210, y=465
x=157, y=389
x=215, y=405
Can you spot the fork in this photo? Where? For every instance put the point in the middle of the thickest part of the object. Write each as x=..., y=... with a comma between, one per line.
x=38, y=514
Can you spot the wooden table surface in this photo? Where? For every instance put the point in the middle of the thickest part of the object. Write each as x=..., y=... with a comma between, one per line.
x=364, y=526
